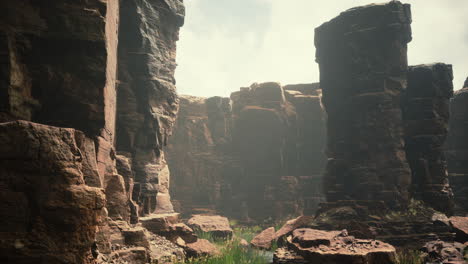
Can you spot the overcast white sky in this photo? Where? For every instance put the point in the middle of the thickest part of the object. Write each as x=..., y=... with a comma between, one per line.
x=227, y=44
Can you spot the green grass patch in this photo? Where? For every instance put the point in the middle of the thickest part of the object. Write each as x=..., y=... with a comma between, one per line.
x=409, y=257
x=232, y=252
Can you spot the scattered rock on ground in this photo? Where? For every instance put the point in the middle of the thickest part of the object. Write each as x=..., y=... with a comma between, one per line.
x=265, y=239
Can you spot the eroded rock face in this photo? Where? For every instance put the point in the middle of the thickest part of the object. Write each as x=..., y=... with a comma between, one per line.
x=363, y=63
x=48, y=212
x=147, y=100
x=457, y=148
x=426, y=116
x=216, y=166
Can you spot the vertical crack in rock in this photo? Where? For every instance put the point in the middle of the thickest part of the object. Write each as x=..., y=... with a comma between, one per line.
x=457, y=148
x=426, y=115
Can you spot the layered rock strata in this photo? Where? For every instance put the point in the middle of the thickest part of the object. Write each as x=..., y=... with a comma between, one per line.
x=457, y=149
x=254, y=155
x=363, y=63
x=426, y=115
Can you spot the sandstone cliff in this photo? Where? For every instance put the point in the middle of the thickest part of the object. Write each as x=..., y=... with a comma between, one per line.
x=68, y=183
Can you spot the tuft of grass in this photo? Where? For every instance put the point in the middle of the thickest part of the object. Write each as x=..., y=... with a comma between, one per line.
x=247, y=232
x=409, y=257
x=233, y=253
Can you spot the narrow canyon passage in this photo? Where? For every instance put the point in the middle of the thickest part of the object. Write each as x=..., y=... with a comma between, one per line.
x=103, y=161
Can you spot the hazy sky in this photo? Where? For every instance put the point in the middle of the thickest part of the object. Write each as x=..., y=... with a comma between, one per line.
x=227, y=44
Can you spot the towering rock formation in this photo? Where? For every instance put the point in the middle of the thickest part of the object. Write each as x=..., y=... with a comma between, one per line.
x=256, y=155
x=363, y=64
x=66, y=194
x=386, y=128
x=426, y=115
x=457, y=148
x=147, y=100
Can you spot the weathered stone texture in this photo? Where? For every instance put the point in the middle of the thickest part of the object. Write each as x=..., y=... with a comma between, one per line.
x=48, y=212
x=147, y=100
x=254, y=155
x=426, y=115
x=363, y=63
x=46, y=46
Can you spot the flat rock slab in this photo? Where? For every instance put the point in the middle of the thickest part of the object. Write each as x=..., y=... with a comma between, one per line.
x=217, y=225
x=317, y=246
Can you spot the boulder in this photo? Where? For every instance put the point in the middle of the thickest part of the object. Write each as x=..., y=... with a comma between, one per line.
x=217, y=226
x=265, y=239
x=183, y=231
x=201, y=248
x=444, y=252
x=291, y=225
x=460, y=225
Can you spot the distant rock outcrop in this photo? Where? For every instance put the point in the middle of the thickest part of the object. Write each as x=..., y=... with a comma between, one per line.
x=258, y=154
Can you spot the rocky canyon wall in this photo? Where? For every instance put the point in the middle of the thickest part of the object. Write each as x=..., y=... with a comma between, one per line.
x=257, y=154
x=76, y=134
